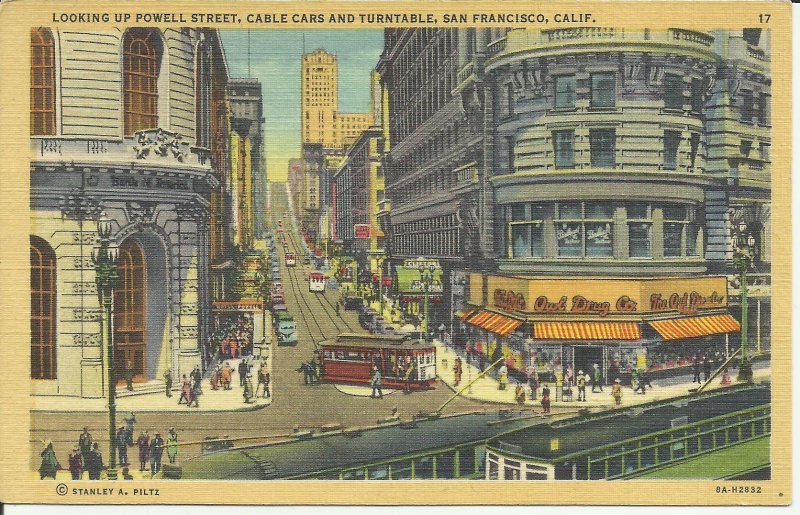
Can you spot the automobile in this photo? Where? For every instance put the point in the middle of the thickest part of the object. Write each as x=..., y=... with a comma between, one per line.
x=352, y=302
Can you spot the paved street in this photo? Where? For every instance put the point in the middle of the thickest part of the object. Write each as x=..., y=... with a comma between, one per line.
x=295, y=405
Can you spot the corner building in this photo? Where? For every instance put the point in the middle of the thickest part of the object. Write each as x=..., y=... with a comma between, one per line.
x=592, y=201
x=131, y=124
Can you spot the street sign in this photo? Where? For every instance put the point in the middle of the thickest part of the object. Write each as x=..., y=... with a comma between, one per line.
x=422, y=264
x=362, y=231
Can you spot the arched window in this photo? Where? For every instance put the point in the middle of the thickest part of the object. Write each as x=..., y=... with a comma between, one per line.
x=43, y=82
x=130, y=310
x=141, y=64
x=43, y=310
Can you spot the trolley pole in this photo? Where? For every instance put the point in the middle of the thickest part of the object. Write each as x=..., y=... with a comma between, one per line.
x=468, y=385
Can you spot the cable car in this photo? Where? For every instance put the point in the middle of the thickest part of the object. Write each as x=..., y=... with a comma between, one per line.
x=350, y=357
x=316, y=282
x=291, y=259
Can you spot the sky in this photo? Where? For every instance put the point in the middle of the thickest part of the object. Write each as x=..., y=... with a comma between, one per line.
x=275, y=61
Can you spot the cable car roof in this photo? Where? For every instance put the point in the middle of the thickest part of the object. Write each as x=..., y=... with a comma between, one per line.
x=618, y=425
x=338, y=451
x=374, y=341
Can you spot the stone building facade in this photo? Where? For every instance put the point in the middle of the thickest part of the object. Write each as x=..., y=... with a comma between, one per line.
x=125, y=123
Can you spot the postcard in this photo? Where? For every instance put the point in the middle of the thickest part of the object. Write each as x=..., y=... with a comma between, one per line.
x=403, y=253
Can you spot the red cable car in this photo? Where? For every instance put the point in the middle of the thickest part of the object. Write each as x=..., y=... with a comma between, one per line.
x=350, y=358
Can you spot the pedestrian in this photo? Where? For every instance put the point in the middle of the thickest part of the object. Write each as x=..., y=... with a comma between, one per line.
x=130, y=420
x=376, y=383
x=242, y=372
x=234, y=348
x=247, y=390
x=266, y=384
x=533, y=380
x=85, y=444
x=597, y=379
x=197, y=389
x=581, y=386
x=226, y=375
x=569, y=375
x=313, y=368
x=261, y=377
x=410, y=374
x=336, y=306
x=172, y=445
x=197, y=376
x=186, y=391
x=143, y=443
x=457, y=370
x=644, y=379
x=641, y=381
x=634, y=379
x=726, y=377
x=76, y=463
x=214, y=379
x=616, y=391
x=502, y=377
x=129, y=376
x=156, y=451
x=168, y=382
x=49, y=464
x=696, y=366
x=546, y=399
x=121, y=441
x=94, y=462
x=706, y=368
x=519, y=394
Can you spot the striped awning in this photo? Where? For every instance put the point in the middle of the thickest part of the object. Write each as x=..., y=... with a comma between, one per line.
x=587, y=330
x=495, y=322
x=465, y=314
x=502, y=324
x=679, y=328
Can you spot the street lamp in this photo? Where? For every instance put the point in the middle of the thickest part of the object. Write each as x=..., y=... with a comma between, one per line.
x=379, y=260
x=742, y=259
x=104, y=257
x=426, y=282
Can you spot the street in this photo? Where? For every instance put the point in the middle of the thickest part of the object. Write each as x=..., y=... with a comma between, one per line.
x=295, y=405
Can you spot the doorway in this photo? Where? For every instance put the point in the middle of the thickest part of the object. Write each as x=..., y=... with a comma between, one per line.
x=584, y=358
x=130, y=312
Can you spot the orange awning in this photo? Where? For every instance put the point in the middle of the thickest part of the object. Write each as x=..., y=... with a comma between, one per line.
x=480, y=318
x=463, y=315
x=587, y=330
x=679, y=328
x=495, y=322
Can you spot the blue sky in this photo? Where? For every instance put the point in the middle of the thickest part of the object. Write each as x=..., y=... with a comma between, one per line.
x=275, y=61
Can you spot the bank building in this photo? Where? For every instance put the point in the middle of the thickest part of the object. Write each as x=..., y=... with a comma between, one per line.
x=130, y=125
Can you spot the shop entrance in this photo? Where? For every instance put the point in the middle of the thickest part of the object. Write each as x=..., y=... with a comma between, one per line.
x=585, y=356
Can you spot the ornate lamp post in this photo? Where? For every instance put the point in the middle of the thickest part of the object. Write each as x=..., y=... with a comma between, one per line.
x=104, y=257
x=426, y=282
x=742, y=260
x=380, y=260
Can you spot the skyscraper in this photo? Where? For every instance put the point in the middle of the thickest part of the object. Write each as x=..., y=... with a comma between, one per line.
x=319, y=98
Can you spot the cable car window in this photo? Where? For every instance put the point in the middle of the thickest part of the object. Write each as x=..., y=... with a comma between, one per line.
x=511, y=474
x=401, y=469
x=381, y=472
x=444, y=466
x=466, y=462
x=424, y=468
x=535, y=476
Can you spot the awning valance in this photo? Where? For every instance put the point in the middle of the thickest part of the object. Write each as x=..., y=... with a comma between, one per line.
x=465, y=314
x=587, y=331
x=495, y=322
x=679, y=328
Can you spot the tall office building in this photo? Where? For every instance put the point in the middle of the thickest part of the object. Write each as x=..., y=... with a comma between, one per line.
x=319, y=98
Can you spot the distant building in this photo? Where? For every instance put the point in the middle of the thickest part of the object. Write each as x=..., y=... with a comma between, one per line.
x=247, y=121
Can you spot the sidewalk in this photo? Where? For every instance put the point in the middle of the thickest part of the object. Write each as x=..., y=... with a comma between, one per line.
x=485, y=389
x=155, y=400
